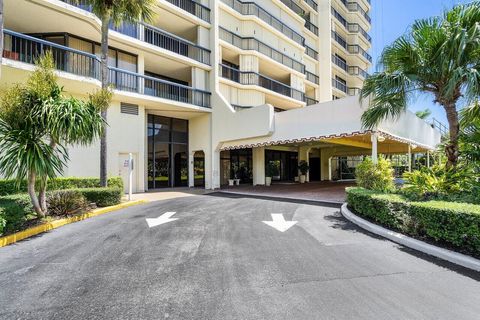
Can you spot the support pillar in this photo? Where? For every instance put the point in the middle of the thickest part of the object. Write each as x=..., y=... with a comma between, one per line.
x=409, y=158
x=258, y=159
x=191, y=172
x=374, y=139
x=303, y=155
x=428, y=159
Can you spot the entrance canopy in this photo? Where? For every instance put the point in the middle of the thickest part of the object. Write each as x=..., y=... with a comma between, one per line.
x=339, y=122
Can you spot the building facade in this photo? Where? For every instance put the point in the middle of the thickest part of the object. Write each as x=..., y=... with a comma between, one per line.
x=212, y=90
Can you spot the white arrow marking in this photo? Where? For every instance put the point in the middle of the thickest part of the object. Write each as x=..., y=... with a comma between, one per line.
x=164, y=218
x=278, y=222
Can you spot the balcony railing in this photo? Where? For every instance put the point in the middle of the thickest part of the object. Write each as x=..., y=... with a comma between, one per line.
x=312, y=77
x=310, y=101
x=193, y=7
x=355, y=7
x=357, y=71
x=251, y=43
x=353, y=91
x=311, y=52
x=312, y=4
x=310, y=26
x=351, y=27
x=294, y=7
x=251, y=8
x=339, y=39
x=27, y=49
x=157, y=37
x=356, y=49
x=253, y=78
x=170, y=42
x=339, y=62
x=339, y=85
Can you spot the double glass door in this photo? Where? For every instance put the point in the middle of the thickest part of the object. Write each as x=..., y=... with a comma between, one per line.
x=167, y=152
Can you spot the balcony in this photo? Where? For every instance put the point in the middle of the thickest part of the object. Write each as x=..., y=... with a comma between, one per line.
x=355, y=7
x=357, y=71
x=157, y=37
x=339, y=85
x=294, y=7
x=251, y=8
x=251, y=43
x=339, y=62
x=23, y=48
x=310, y=26
x=356, y=49
x=351, y=27
x=309, y=101
x=312, y=77
x=312, y=4
x=193, y=7
x=256, y=79
x=311, y=52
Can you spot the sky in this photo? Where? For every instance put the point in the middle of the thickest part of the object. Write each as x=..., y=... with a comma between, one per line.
x=390, y=19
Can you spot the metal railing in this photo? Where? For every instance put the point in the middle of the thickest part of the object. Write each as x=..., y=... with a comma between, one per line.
x=310, y=26
x=357, y=71
x=339, y=39
x=339, y=62
x=157, y=37
x=440, y=127
x=339, y=85
x=312, y=4
x=250, y=43
x=356, y=49
x=193, y=7
x=311, y=52
x=309, y=101
x=351, y=27
x=294, y=7
x=170, y=42
x=353, y=91
x=312, y=77
x=251, y=8
x=27, y=49
x=254, y=78
x=355, y=7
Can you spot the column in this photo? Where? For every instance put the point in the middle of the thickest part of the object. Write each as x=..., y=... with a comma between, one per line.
x=303, y=156
x=298, y=83
x=409, y=158
x=428, y=159
x=374, y=138
x=258, y=159
x=215, y=170
x=199, y=78
x=191, y=173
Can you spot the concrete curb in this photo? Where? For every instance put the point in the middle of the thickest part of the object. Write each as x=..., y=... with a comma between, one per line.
x=445, y=254
x=44, y=227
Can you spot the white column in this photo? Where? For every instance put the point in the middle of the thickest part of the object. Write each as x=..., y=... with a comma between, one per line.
x=428, y=159
x=303, y=155
x=374, y=139
x=330, y=169
x=191, y=173
x=215, y=173
x=258, y=159
x=409, y=158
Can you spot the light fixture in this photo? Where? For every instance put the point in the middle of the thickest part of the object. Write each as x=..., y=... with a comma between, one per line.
x=380, y=138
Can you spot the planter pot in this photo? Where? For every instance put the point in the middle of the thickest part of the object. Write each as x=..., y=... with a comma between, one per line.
x=230, y=182
x=237, y=182
x=303, y=178
x=297, y=179
x=268, y=181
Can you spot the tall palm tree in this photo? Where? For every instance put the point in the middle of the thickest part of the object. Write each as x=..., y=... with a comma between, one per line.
x=438, y=56
x=36, y=124
x=116, y=12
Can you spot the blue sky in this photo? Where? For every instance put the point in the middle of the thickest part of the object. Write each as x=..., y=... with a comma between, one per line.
x=391, y=18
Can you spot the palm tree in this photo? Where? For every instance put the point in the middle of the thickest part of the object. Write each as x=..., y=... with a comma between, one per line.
x=116, y=12
x=437, y=56
x=1, y=34
x=36, y=124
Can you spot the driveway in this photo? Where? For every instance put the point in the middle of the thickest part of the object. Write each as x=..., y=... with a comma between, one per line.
x=219, y=260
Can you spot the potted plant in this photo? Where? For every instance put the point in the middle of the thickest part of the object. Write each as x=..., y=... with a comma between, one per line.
x=233, y=174
x=271, y=170
x=304, y=168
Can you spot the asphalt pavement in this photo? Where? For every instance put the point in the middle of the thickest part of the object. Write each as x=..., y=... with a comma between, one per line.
x=213, y=257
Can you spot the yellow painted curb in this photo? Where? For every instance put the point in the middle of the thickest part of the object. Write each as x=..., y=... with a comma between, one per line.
x=30, y=232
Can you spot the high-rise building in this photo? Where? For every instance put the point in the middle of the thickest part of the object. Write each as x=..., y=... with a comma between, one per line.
x=213, y=90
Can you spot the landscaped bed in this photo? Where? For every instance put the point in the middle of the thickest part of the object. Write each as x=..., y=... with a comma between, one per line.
x=67, y=197
x=452, y=225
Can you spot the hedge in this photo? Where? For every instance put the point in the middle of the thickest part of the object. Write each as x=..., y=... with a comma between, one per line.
x=14, y=210
x=8, y=187
x=454, y=224
x=102, y=197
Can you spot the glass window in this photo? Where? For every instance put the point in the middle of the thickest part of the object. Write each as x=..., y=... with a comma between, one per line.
x=179, y=125
x=127, y=62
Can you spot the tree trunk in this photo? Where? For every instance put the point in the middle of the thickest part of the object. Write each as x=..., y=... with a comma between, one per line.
x=104, y=80
x=33, y=196
x=451, y=149
x=42, y=194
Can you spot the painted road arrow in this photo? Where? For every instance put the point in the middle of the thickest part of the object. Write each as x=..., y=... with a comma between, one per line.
x=278, y=222
x=164, y=218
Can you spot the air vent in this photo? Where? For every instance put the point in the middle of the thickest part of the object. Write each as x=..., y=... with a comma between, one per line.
x=129, y=109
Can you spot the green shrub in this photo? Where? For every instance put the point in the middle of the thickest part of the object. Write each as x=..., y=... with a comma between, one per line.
x=14, y=210
x=303, y=167
x=272, y=170
x=3, y=220
x=65, y=202
x=439, y=183
x=8, y=187
x=377, y=177
x=455, y=224
x=103, y=197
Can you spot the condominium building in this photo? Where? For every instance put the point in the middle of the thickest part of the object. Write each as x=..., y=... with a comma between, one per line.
x=213, y=90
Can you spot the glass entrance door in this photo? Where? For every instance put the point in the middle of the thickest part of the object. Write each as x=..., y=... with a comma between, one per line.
x=167, y=152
